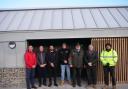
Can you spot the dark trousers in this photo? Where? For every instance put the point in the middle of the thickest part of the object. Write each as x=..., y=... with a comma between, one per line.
x=52, y=74
x=110, y=70
x=76, y=76
x=30, y=73
x=41, y=75
x=91, y=75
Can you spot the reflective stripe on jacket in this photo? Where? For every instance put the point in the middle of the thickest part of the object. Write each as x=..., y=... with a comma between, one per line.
x=109, y=57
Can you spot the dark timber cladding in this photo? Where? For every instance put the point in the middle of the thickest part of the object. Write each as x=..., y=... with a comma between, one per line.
x=121, y=46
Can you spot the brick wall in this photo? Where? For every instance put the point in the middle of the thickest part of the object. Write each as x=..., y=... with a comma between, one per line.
x=12, y=77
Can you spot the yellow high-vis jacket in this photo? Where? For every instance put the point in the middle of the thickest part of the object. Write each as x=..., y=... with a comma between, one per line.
x=109, y=57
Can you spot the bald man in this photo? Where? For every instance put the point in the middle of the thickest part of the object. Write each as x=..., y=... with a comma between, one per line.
x=90, y=61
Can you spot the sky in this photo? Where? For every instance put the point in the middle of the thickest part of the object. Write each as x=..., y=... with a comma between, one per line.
x=7, y=4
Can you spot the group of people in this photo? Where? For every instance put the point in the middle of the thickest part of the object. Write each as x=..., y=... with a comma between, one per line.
x=71, y=62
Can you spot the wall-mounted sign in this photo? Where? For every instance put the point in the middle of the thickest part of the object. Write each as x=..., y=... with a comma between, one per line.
x=12, y=44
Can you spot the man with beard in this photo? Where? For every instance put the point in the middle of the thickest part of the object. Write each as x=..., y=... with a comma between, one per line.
x=109, y=59
x=51, y=58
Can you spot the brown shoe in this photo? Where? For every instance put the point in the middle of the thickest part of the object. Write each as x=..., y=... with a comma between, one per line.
x=62, y=82
x=113, y=87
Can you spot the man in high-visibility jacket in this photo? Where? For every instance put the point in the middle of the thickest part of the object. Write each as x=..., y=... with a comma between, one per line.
x=109, y=59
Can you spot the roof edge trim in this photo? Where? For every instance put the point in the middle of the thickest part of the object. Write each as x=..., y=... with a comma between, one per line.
x=57, y=8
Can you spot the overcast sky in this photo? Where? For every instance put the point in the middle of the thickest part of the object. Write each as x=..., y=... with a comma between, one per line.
x=59, y=3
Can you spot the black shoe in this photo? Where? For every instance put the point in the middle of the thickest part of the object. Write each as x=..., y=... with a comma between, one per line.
x=50, y=85
x=73, y=85
x=55, y=84
x=44, y=84
x=34, y=87
x=79, y=85
x=39, y=85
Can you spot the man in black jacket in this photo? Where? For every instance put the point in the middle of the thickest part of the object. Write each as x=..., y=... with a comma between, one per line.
x=51, y=58
x=90, y=61
x=64, y=54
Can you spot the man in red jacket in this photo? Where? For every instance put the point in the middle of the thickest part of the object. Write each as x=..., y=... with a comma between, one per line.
x=30, y=62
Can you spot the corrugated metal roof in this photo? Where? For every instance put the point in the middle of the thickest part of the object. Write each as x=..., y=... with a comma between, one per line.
x=63, y=18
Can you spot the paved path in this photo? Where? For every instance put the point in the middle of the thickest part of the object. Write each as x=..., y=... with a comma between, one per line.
x=67, y=86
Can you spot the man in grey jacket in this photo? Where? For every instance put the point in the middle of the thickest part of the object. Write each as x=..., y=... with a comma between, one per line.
x=76, y=64
x=41, y=61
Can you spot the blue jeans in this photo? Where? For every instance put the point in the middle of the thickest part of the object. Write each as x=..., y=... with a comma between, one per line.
x=30, y=73
x=67, y=69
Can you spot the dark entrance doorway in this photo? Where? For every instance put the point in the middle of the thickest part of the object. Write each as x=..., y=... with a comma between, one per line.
x=71, y=42
x=58, y=42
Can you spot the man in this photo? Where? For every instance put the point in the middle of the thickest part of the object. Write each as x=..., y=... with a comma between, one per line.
x=90, y=61
x=64, y=53
x=109, y=59
x=52, y=64
x=30, y=62
x=76, y=64
x=41, y=60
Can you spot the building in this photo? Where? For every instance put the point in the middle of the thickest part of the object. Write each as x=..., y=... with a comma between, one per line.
x=96, y=25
